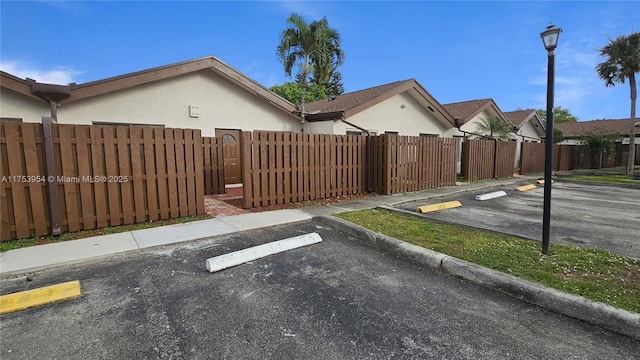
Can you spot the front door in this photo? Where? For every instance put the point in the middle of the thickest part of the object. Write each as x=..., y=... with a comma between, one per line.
x=231, y=152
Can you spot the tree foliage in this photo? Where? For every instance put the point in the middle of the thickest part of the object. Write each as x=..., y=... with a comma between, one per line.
x=600, y=143
x=623, y=62
x=314, y=48
x=333, y=86
x=560, y=115
x=292, y=92
x=494, y=128
x=558, y=136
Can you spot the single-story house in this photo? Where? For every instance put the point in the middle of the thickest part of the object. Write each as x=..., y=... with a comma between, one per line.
x=203, y=93
x=398, y=108
x=529, y=128
x=572, y=131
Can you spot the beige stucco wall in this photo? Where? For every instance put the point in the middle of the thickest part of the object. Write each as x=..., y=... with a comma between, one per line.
x=412, y=120
x=320, y=127
x=18, y=106
x=471, y=125
x=221, y=104
x=529, y=131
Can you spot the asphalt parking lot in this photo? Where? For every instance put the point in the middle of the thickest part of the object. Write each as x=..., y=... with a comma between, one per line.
x=338, y=299
x=584, y=215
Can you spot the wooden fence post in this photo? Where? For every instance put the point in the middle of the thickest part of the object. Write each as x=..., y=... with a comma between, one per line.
x=54, y=202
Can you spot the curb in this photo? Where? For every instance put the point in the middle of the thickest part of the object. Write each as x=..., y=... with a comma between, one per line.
x=595, y=313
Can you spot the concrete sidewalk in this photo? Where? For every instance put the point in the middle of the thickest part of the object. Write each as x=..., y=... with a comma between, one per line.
x=34, y=258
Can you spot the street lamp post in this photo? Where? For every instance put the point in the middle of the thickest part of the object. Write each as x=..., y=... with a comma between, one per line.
x=550, y=40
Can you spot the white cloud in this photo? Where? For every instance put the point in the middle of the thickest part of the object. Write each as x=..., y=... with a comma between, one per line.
x=58, y=75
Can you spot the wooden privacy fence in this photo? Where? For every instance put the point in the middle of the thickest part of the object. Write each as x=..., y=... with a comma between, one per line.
x=105, y=176
x=409, y=163
x=280, y=167
x=532, y=157
x=571, y=157
x=488, y=159
x=565, y=157
x=622, y=154
x=285, y=167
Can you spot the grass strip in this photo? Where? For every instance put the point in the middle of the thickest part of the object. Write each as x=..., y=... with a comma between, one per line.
x=595, y=274
x=40, y=240
x=616, y=179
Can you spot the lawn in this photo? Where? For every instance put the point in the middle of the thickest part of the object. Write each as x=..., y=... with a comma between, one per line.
x=610, y=178
x=594, y=274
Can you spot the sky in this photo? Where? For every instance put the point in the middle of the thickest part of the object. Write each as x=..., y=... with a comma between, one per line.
x=457, y=50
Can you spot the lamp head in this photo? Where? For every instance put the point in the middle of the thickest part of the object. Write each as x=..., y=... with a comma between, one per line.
x=550, y=37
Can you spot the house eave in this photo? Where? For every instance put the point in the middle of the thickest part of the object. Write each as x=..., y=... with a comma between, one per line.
x=326, y=116
x=127, y=81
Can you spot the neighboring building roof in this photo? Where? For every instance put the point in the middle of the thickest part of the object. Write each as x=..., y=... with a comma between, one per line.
x=520, y=117
x=126, y=81
x=465, y=111
x=612, y=126
x=346, y=105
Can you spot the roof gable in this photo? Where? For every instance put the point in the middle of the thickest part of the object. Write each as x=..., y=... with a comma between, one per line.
x=347, y=105
x=466, y=111
x=520, y=118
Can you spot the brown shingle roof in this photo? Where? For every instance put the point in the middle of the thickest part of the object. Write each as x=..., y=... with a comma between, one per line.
x=349, y=104
x=613, y=126
x=518, y=117
x=465, y=110
x=350, y=100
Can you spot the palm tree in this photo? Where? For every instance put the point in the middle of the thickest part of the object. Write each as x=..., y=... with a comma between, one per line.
x=623, y=62
x=333, y=85
x=314, y=48
x=494, y=128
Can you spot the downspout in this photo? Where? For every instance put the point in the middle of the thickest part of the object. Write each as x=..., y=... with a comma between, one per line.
x=53, y=94
x=369, y=153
